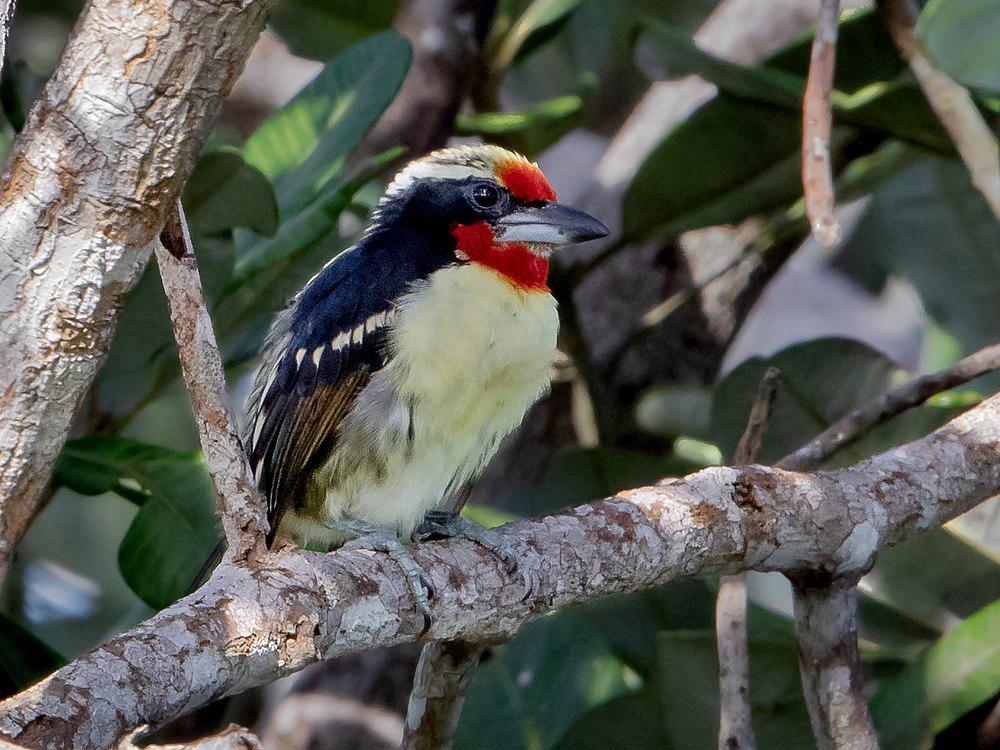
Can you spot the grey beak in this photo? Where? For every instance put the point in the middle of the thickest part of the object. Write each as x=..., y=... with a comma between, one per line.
x=549, y=224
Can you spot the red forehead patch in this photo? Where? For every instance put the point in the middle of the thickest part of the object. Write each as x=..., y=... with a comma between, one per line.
x=525, y=181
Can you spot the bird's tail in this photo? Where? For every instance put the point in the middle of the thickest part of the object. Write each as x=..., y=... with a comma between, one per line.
x=208, y=566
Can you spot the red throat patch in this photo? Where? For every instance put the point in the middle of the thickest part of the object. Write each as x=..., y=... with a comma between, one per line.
x=512, y=260
x=525, y=181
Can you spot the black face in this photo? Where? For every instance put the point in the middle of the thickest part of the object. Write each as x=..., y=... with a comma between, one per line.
x=440, y=203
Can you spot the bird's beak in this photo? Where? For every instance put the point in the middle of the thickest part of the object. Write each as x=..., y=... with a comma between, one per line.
x=548, y=224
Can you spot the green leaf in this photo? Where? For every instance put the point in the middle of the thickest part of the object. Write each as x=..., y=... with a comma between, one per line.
x=302, y=147
x=691, y=171
x=321, y=28
x=954, y=676
x=532, y=688
x=936, y=579
x=176, y=527
x=898, y=110
x=865, y=53
x=225, y=192
x=579, y=476
x=930, y=225
x=687, y=685
x=807, y=398
x=962, y=37
x=690, y=179
x=539, y=22
x=530, y=131
x=630, y=720
x=631, y=623
x=24, y=658
x=675, y=409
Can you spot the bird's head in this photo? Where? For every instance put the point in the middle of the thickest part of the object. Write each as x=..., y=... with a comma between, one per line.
x=491, y=206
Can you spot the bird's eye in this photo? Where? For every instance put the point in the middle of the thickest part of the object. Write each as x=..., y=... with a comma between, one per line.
x=485, y=196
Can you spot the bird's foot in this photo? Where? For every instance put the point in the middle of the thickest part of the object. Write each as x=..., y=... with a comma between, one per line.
x=442, y=524
x=369, y=536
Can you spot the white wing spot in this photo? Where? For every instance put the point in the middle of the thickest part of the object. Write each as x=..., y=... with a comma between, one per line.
x=318, y=354
x=299, y=356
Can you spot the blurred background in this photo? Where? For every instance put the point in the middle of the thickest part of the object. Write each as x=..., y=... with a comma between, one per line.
x=678, y=125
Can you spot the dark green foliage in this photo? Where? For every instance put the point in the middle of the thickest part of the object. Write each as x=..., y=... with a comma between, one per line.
x=176, y=527
x=24, y=659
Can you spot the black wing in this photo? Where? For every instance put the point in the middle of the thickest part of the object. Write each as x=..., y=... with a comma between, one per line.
x=320, y=354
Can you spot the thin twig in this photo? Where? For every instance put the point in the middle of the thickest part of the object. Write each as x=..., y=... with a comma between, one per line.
x=817, y=126
x=439, y=686
x=974, y=141
x=240, y=504
x=852, y=426
x=735, y=719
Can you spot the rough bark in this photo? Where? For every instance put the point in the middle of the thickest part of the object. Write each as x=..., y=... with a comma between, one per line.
x=249, y=625
x=91, y=177
x=439, y=687
x=6, y=16
x=241, y=507
x=826, y=623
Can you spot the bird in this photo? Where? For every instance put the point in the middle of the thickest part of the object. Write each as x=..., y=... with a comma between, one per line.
x=387, y=383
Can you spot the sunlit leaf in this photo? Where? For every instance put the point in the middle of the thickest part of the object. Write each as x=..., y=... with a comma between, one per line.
x=529, y=131
x=302, y=147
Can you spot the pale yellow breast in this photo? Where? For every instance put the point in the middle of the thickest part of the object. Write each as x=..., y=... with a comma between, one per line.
x=475, y=349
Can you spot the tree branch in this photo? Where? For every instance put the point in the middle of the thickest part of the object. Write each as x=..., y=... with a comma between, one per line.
x=817, y=126
x=251, y=624
x=857, y=423
x=89, y=183
x=735, y=719
x=6, y=17
x=439, y=685
x=826, y=622
x=240, y=505
x=974, y=141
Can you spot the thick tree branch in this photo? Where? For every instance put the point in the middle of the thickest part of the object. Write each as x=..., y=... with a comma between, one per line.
x=439, y=686
x=89, y=183
x=735, y=720
x=240, y=504
x=817, y=126
x=251, y=624
x=953, y=105
x=826, y=623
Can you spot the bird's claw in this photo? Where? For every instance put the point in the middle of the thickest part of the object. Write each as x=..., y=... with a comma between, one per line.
x=380, y=540
x=446, y=525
